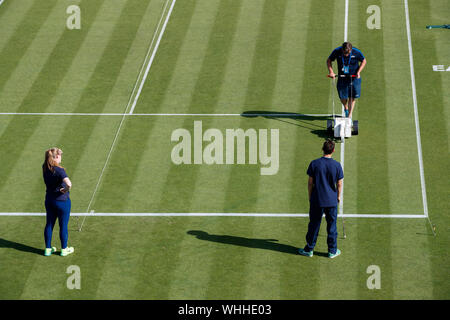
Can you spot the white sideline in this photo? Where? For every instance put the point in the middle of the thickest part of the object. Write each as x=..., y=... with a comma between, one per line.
x=416, y=114
x=124, y=114
x=153, y=54
x=341, y=203
x=211, y=214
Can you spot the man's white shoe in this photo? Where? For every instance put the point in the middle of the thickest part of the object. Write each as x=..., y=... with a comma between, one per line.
x=67, y=251
x=49, y=251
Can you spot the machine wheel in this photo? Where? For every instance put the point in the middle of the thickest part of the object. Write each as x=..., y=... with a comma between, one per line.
x=355, y=128
x=329, y=127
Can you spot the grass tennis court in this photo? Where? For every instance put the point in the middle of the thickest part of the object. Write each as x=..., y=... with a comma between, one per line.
x=111, y=94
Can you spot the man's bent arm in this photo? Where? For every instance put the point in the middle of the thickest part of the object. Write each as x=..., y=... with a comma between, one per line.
x=361, y=67
x=330, y=69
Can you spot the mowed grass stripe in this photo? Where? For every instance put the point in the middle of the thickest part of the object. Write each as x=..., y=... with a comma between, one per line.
x=37, y=133
x=372, y=167
x=235, y=84
x=138, y=58
x=118, y=99
x=404, y=177
x=265, y=283
x=234, y=78
x=179, y=187
x=100, y=86
x=70, y=145
x=23, y=37
x=103, y=78
x=148, y=140
x=205, y=92
x=85, y=161
x=351, y=190
x=120, y=272
x=204, y=99
x=433, y=96
x=36, y=54
x=11, y=16
x=156, y=88
x=99, y=29
x=178, y=95
x=27, y=132
x=339, y=279
x=19, y=252
x=143, y=166
x=243, y=182
x=26, y=72
x=171, y=54
x=307, y=149
x=47, y=82
x=66, y=140
x=209, y=197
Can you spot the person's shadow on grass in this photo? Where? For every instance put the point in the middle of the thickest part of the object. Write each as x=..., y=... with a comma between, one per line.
x=267, y=244
x=18, y=246
x=305, y=121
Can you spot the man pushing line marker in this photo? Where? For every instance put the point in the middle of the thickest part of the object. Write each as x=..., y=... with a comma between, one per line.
x=350, y=63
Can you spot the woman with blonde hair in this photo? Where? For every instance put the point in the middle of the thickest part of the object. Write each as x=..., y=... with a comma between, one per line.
x=57, y=201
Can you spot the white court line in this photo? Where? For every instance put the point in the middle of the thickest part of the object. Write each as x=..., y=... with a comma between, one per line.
x=416, y=113
x=1, y=1
x=249, y=115
x=213, y=214
x=346, y=21
x=152, y=57
x=341, y=203
x=146, y=57
x=122, y=120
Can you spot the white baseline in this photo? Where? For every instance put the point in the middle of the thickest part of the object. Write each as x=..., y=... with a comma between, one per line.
x=250, y=115
x=212, y=214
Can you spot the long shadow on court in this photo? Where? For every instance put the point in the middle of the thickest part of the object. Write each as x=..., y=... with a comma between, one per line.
x=297, y=119
x=267, y=244
x=19, y=246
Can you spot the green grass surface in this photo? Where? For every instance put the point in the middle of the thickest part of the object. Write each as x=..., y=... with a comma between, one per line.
x=233, y=57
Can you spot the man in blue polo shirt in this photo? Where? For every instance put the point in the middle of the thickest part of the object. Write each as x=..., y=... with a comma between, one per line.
x=350, y=63
x=324, y=190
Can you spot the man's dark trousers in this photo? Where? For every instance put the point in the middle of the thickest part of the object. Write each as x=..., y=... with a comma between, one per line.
x=315, y=218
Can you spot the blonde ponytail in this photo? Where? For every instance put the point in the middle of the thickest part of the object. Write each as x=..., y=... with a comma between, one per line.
x=50, y=159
